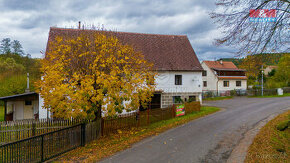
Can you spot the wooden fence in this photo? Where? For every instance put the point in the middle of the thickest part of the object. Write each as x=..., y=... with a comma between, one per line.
x=46, y=146
x=143, y=118
x=45, y=139
x=17, y=130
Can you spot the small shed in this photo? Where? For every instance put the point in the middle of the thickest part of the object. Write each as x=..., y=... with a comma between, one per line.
x=24, y=106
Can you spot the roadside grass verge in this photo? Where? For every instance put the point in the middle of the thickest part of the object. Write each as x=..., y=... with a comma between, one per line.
x=269, y=96
x=271, y=144
x=218, y=98
x=108, y=145
x=1, y=113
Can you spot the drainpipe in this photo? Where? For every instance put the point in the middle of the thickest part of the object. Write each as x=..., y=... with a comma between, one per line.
x=217, y=87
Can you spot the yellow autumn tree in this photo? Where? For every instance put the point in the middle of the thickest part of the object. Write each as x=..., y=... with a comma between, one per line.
x=94, y=73
x=253, y=65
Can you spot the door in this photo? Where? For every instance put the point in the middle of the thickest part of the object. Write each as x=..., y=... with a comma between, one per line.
x=156, y=101
x=28, y=110
x=154, y=104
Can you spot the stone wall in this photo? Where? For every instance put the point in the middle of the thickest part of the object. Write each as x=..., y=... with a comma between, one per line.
x=167, y=98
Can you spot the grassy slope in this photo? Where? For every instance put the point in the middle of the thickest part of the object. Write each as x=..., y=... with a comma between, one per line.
x=109, y=145
x=269, y=141
x=284, y=95
x=1, y=113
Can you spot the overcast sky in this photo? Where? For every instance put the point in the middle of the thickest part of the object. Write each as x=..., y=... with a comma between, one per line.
x=29, y=20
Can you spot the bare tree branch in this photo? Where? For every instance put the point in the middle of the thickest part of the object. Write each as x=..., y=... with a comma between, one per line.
x=233, y=18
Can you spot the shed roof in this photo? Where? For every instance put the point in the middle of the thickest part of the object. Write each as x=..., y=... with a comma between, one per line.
x=18, y=95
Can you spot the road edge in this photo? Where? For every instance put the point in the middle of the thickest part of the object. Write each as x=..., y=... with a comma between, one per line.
x=240, y=151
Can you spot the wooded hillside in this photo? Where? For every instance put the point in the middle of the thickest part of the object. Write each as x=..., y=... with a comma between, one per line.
x=14, y=66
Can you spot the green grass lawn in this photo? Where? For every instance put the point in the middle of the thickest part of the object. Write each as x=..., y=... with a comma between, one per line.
x=218, y=98
x=269, y=96
x=271, y=144
x=110, y=144
x=1, y=113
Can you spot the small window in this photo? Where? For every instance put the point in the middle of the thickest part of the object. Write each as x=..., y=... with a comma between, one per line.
x=238, y=83
x=226, y=83
x=191, y=98
x=177, y=100
x=204, y=73
x=28, y=102
x=204, y=83
x=178, y=79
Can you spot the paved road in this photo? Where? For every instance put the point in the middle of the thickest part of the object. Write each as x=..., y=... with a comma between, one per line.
x=209, y=139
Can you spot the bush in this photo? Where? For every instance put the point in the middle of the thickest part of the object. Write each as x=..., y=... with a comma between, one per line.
x=192, y=106
x=208, y=94
x=286, y=90
x=233, y=93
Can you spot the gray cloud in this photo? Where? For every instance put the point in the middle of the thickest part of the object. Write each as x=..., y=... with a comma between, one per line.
x=25, y=4
x=29, y=20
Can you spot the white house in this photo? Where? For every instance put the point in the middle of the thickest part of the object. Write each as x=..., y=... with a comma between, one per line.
x=180, y=73
x=221, y=77
x=173, y=58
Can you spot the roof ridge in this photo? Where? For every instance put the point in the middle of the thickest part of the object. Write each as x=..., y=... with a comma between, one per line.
x=76, y=29
x=218, y=61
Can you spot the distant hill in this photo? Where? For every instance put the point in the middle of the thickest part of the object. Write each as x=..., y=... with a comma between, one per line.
x=236, y=61
x=271, y=58
x=13, y=73
x=267, y=58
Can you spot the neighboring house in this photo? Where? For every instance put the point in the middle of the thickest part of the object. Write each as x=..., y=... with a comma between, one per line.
x=24, y=106
x=173, y=57
x=221, y=77
x=269, y=69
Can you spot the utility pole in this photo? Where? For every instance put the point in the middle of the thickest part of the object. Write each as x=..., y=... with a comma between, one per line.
x=262, y=80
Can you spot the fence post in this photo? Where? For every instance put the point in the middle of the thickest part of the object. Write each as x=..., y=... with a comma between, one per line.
x=148, y=118
x=102, y=126
x=138, y=118
x=42, y=158
x=33, y=128
x=173, y=111
x=83, y=134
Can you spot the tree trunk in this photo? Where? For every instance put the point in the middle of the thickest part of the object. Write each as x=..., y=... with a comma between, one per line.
x=98, y=113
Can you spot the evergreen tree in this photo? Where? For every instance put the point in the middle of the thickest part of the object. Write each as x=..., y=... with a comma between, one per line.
x=5, y=46
x=16, y=47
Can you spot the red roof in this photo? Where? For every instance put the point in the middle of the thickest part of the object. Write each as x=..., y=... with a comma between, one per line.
x=225, y=65
x=167, y=52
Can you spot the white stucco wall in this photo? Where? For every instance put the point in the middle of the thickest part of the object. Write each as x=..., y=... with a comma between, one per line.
x=43, y=113
x=232, y=85
x=210, y=77
x=17, y=109
x=191, y=81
